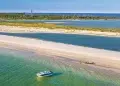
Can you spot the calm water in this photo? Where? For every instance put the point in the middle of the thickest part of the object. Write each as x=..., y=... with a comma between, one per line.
x=93, y=23
x=80, y=23
x=108, y=43
x=19, y=68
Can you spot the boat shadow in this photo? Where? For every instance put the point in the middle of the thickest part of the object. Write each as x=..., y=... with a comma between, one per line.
x=57, y=74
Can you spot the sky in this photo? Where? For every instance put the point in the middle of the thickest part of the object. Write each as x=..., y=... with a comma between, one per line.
x=61, y=6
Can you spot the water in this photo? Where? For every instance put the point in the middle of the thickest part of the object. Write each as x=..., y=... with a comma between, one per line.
x=83, y=23
x=108, y=43
x=93, y=23
x=19, y=68
x=80, y=23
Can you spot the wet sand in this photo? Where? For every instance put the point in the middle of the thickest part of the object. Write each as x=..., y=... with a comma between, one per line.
x=63, y=62
x=84, y=55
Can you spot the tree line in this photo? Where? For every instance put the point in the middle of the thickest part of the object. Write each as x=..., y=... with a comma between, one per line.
x=14, y=16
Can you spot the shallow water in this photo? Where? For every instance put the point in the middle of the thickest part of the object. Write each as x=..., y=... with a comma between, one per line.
x=19, y=68
x=108, y=43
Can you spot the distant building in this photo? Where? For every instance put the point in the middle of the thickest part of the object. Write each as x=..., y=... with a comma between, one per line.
x=31, y=12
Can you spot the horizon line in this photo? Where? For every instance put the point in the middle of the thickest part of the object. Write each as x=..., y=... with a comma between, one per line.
x=42, y=11
x=62, y=12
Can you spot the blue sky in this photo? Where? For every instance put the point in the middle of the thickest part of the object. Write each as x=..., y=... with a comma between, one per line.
x=100, y=6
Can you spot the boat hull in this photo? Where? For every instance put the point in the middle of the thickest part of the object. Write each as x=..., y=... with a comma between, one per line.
x=45, y=75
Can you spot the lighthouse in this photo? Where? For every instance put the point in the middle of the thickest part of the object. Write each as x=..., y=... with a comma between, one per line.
x=31, y=12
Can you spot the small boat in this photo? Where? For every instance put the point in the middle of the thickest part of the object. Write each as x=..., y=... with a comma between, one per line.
x=45, y=74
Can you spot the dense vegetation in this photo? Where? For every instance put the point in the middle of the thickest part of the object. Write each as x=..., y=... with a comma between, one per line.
x=14, y=16
x=53, y=26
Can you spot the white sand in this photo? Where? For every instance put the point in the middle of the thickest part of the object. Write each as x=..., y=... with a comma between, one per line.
x=18, y=29
x=101, y=57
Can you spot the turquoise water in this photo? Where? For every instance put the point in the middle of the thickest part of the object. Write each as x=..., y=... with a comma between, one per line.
x=19, y=68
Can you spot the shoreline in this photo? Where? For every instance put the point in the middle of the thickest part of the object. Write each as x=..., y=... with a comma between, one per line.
x=23, y=29
x=101, y=58
x=101, y=73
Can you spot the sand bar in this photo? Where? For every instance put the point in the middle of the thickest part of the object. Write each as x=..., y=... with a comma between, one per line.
x=104, y=58
x=18, y=29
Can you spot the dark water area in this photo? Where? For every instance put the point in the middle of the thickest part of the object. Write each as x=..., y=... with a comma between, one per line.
x=100, y=42
x=90, y=23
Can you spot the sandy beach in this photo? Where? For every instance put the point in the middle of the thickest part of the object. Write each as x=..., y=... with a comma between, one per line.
x=102, y=58
x=85, y=55
x=60, y=43
x=18, y=29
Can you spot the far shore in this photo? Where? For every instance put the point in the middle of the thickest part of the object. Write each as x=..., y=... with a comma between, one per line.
x=24, y=29
x=89, y=56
